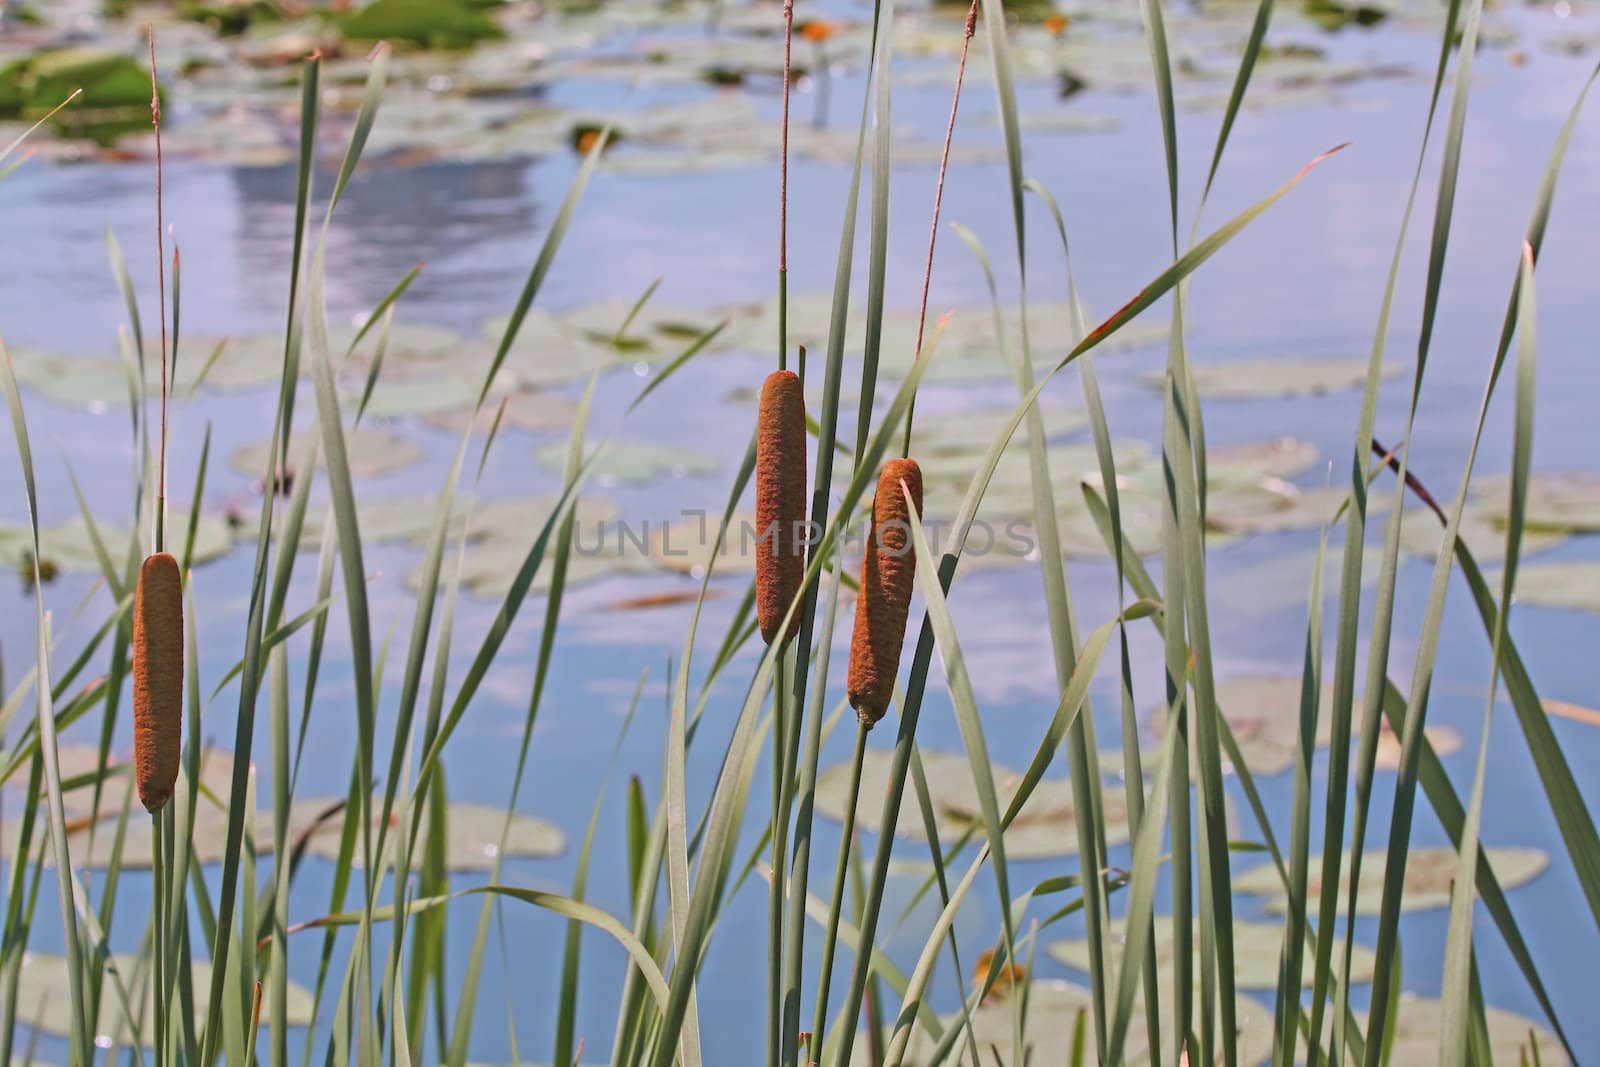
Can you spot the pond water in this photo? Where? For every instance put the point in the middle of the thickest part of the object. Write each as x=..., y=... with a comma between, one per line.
x=1303, y=283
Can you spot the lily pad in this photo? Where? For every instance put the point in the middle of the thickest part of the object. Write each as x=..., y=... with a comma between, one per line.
x=1264, y=715
x=971, y=432
x=529, y=410
x=1421, y=534
x=1279, y=457
x=1045, y=826
x=635, y=462
x=44, y=997
x=1053, y=1011
x=1567, y=584
x=371, y=452
x=1301, y=509
x=1418, y=1034
x=1256, y=949
x=1558, y=501
x=473, y=836
x=686, y=544
x=87, y=382
x=1429, y=874
x=427, y=23
x=1247, y=379
x=67, y=544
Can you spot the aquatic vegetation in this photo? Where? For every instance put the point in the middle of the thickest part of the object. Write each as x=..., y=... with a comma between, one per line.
x=370, y=715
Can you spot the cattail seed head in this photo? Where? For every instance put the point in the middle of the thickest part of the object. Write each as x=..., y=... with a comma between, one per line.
x=780, y=502
x=157, y=679
x=888, y=573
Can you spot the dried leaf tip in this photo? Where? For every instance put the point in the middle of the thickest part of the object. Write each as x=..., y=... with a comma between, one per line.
x=157, y=679
x=888, y=575
x=780, y=503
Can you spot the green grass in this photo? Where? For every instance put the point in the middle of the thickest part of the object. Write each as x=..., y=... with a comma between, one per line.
x=383, y=992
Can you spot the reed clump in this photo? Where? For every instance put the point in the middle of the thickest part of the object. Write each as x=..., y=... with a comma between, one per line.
x=888, y=573
x=780, y=503
x=158, y=679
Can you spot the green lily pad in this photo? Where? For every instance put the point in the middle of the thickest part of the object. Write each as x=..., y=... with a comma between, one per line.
x=370, y=451
x=91, y=383
x=67, y=544
x=473, y=842
x=1421, y=533
x=1046, y=826
x=529, y=410
x=1256, y=949
x=44, y=997
x=427, y=23
x=656, y=330
x=635, y=462
x=115, y=98
x=1264, y=715
x=1053, y=1011
x=1558, y=501
x=1567, y=584
x=970, y=432
x=1418, y=1034
x=252, y=362
x=1247, y=379
x=1429, y=874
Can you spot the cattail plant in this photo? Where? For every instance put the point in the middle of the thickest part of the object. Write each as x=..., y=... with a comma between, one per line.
x=780, y=502
x=157, y=679
x=888, y=572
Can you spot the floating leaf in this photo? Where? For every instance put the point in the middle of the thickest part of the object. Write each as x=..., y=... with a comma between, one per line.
x=1568, y=584
x=1053, y=1011
x=427, y=23
x=634, y=461
x=1046, y=826
x=1421, y=534
x=473, y=835
x=1279, y=457
x=67, y=544
x=1429, y=874
x=1417, y=1029
x=1301, y=509
x=371, y=452
x=1256, y=951
x=1246, y=379
x=1264, y=715
x=44, y=997
x=1558, y=501
x=528, y=410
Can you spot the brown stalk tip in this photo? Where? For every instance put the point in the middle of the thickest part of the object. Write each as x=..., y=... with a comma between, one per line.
x=780, y=502
x=888, y=574
x=157, y=679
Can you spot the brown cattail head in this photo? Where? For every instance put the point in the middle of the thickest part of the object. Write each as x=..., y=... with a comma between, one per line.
x=157, y=679
x=780, y=502
x=888, y=573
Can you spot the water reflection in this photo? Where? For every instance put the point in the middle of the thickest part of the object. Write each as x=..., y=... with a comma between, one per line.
x=448, y=216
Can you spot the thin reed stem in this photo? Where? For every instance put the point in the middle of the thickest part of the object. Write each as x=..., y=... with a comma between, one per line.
x=938, y=200
x=780, y=842
x=830, y=936
x=161, y=283
x=783, y=195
